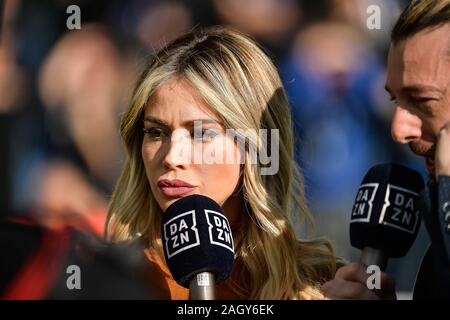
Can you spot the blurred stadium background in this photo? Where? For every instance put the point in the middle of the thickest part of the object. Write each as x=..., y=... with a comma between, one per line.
x=62, y=92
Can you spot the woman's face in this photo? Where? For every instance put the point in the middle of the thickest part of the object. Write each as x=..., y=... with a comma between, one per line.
x=174, y=156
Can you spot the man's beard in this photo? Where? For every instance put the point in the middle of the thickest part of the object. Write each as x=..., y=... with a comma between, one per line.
x=422, y=151
x=428, y=154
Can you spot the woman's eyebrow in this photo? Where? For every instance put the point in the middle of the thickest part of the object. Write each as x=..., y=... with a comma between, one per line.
x=193, y=122
x=156, y=120
x=187, y=123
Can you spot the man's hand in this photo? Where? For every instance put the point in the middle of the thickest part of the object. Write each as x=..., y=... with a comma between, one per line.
x=442, y=155
x=350, y=282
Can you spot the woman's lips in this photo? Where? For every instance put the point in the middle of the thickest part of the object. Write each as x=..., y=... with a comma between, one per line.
x=175, y=191
x=174, y=188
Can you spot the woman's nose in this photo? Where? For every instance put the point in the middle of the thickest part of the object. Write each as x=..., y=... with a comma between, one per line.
x=405, y=127
x=178, y=150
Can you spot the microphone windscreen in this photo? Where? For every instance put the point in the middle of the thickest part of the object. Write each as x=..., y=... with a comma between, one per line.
x=386, y=212
x=197, y=238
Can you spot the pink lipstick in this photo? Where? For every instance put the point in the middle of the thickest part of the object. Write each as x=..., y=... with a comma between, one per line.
x=175, y=188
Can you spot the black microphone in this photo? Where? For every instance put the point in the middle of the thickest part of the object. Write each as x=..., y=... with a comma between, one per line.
x=198, y=245
x=386, y=216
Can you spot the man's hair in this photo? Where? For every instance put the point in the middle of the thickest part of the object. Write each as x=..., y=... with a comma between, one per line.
x=420, y=15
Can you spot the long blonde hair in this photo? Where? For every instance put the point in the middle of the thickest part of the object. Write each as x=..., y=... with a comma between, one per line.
x=238, y=81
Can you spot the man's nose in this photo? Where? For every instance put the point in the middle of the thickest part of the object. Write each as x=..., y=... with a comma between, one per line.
x=405, y=127
x=179, y=151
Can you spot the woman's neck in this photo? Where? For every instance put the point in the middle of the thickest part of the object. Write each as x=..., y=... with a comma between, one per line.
x=234, y=208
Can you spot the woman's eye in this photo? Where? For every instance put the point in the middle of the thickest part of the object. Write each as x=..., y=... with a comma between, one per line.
x=154, y=133
x=207, y=135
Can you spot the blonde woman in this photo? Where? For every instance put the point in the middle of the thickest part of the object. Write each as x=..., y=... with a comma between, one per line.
x=221, y=79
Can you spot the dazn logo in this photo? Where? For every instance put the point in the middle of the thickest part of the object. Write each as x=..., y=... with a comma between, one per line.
x=180, y=233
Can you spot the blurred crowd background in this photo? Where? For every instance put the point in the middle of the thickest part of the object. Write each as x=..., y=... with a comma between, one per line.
x=62, y=93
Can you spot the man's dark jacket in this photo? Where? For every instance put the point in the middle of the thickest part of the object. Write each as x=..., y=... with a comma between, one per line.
x=433, y=280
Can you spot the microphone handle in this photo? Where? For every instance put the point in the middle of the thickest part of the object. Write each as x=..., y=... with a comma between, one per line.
x=202, y=286
x=371, y=256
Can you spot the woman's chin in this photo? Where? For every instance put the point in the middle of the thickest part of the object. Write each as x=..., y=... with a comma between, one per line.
x=166, y=202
